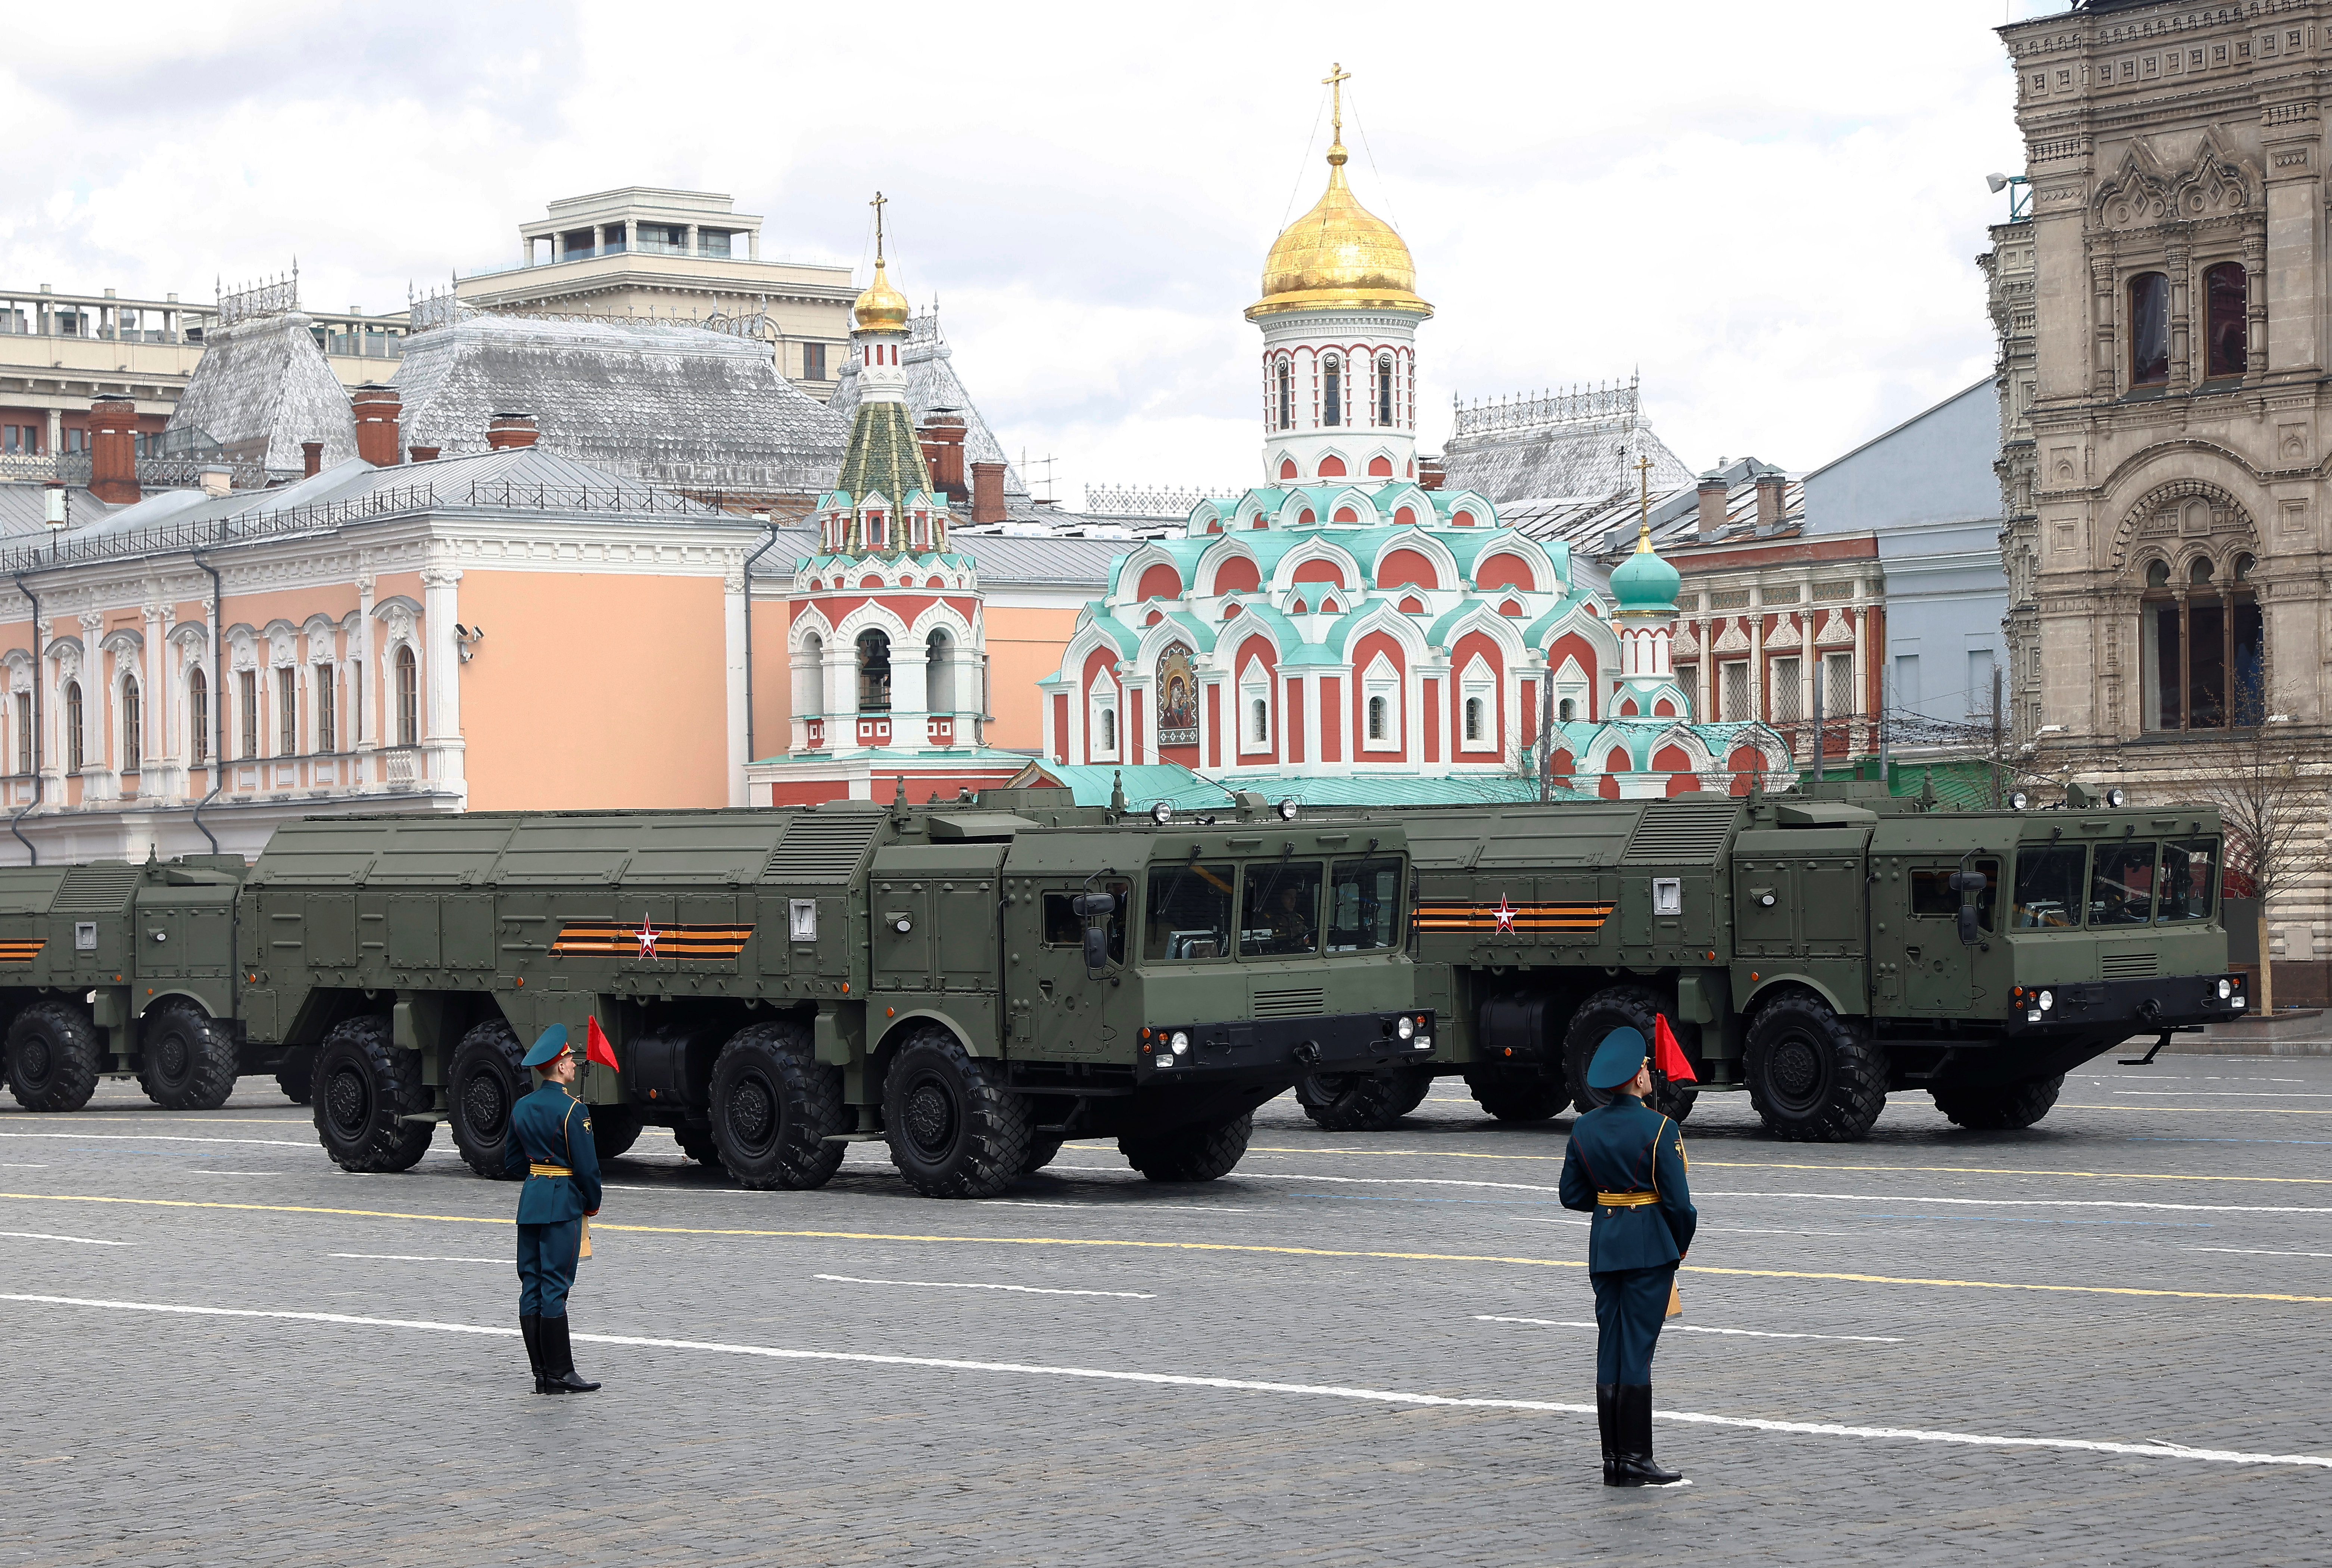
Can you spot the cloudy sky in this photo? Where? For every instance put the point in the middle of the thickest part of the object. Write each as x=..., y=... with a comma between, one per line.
x=1770, y=210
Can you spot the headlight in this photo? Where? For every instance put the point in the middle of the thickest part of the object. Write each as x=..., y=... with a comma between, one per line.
x=1287, y=809
x=1162, y=813
x=2048, y=1000
x=2226, y=990
x=2018, y=801
x=2116, y=798
x=1181, y=1042
x=1405, y=1028
x=1423, y=1042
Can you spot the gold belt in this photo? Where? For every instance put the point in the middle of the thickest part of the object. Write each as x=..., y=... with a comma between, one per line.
x=1609, y=1199
x=534, y=1170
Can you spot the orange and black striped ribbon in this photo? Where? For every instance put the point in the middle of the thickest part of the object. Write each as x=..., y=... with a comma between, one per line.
x=21, y=949
x=1527, y=919
x=598, y=939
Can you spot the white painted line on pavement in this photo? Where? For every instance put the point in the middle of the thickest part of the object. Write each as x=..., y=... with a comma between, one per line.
x=1695, y=1328
x=200, y=1171
x=951, y=1284
x=2259, y=1252
x=43, y=1236
x=20, y=1165
x=2239, y=1094
x=417, y=1258
x=2029, y=1202
x=168, y=1137
x=1110, y=1205
x=2150, y=1450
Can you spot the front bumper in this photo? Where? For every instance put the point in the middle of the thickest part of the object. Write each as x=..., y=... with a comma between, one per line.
x=1259, y=1049
x=2127, y=1008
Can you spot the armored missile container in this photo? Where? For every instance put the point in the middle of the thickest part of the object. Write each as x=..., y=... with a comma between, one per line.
x=971, y=986
x=1818, y=952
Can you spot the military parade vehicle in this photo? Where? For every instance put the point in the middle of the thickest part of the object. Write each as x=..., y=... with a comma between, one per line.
x=971, y=986
x=1819, y=950
x=115, y=969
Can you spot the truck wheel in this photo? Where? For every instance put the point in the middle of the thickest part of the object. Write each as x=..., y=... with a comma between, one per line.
x=1198, y=1152
x=186, y=1057
x=2000, y=1109
x=297, y=1076
x=773, y=1103
x=485, y=1083
x=1041, y=1153
x=1612, y=1008
x=1514, y=1096
x=955, y=1131
x=365, y=1086
x=1813, y=1076
x=614, y=1130
x=53, y=1053
x=697, y=1143
x=1361, y=1102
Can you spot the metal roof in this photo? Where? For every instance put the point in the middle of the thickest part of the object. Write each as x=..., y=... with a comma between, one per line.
x=1581, y=444
x=25, y=508
x=262, y=387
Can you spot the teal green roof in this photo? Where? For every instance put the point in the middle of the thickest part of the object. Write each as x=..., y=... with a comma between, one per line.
x=1644, y=582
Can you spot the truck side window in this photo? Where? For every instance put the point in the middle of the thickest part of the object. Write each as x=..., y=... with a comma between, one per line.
x=1281, y=913
x=1932, y=894
x=2189, y=877
x=1063, y=928
x=2048, y=888
x=2121, y=890
x=1188, y=912
x=1364, y=905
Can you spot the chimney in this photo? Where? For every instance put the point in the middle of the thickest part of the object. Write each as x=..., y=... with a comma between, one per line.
x=1712, y=494
x=1430, y=474
x=942, y=438
x=423, y=453
x=113, y=449
x=217, y=481
x=377, y=410
x=988, y=492
x=511, y=430
x=312, y=457
x=1770, y=485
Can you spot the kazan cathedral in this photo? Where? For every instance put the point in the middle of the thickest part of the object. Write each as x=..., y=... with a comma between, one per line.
x=1349, y=635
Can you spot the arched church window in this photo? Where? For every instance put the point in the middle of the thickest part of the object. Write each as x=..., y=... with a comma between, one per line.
x=809, y=678
x=199, y=713
x=939, y=674
x=2158, y=574
x=1376, y=718
x=1109, y=730
x=2200, y=572
x=2149, y=329
x=1259, y=716
x=1384, y=390
x=1332, y=394
x=1566, y=709
x=74, y=759
x=2226, y=292
x=408, y=703
x=1287, y=396
x=2203, y=651
x=133, y=717
x=1472, y=718
x=873, y=672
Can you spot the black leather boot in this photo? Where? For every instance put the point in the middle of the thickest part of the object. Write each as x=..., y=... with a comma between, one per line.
x=530, y=1325
x=1607, y=1417
x=559, y=1359
x=1636, y=1464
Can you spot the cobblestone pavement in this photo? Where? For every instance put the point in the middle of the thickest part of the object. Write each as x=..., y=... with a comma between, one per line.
x=2151, y=1266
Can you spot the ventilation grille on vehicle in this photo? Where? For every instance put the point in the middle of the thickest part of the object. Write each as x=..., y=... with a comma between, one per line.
x=95, y=888
x=1687, y=834
x=818, y=846
x=2129, y=963
x=1294, y=1002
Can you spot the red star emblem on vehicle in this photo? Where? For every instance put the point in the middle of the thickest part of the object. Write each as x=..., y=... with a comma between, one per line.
x=647, y=935
x=1505, y=912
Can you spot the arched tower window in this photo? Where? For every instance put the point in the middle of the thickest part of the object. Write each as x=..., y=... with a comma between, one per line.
x=1109, y=731
x=1331, y=391
x=1377, y=706
x=1472, y=718
x=873, y=672
x=2149, y=329
x=1287, y=396
x=1258, y=718
x=939, y=674
x=2226, y=291
x=133, y=721
x=74, y=759
x=809, y=678
x=408, y=699
x=198, y=716
x=2203, y=655
x=1566, y=711
x=1384, y=390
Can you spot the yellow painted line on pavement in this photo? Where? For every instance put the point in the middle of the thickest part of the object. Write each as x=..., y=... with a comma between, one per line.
x=1702, y=1163
x=1170, y=1246
x=2206, y=1110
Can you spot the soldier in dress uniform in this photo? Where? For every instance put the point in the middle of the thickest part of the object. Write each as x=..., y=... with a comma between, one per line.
x=1626, y=1164
x=550, y=1141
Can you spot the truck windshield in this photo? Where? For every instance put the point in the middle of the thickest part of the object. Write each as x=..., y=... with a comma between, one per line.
x=2189, y=874
x=1364, y=905
x=1188, y=914
x=2048, y=888
x=2121, y=888
x=1281, y=911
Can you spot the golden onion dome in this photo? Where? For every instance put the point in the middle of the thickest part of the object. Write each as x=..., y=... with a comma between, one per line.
x=882, y=308
x=1338, y=255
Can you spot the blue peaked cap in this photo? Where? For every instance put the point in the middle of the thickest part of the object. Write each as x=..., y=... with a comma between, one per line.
x=553, y=1040
x=1617, y=1059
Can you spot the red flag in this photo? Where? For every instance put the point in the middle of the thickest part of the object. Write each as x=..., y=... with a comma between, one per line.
x=596, y=1047
x=1666, y=1055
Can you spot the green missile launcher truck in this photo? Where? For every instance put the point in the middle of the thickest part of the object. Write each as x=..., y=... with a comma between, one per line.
x=971, y=986
x=1820, y=951
x=116, y=970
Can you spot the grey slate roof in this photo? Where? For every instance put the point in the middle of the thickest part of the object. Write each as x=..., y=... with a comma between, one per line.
x=262, y=387
x=671, y=405
x=25, y=508
x=1589, y=459
x=931, y=383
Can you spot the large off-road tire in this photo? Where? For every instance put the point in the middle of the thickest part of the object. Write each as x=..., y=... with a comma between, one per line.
x=54, y=1055
x=2000, y=1109
x=365, y=1088
x=955, y=1131
x=1519, y=1095
x=1612, y=1008
x=486, y=1083
x=297, y=1075
x=614, y=1130
x=773, y=1103
x=1198, y=1152
x=187, y=1059
x=1361, y=1102
x=697, y=1143
x=1813, y=1076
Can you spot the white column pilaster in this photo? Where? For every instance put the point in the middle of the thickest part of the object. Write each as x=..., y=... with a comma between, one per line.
x=733, y=610
x=441, y=719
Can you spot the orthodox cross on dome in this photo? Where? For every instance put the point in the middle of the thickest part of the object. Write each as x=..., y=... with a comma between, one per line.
x=878, y=203
x=1644, y=502
x=1334, y=82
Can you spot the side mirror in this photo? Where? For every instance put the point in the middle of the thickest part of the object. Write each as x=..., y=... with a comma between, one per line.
x=1970, y=932
x=1969, y=882
x=1095, y=908
x=1097, y=951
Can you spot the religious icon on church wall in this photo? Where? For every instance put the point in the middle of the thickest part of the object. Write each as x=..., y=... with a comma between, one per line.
x=1177, y=698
